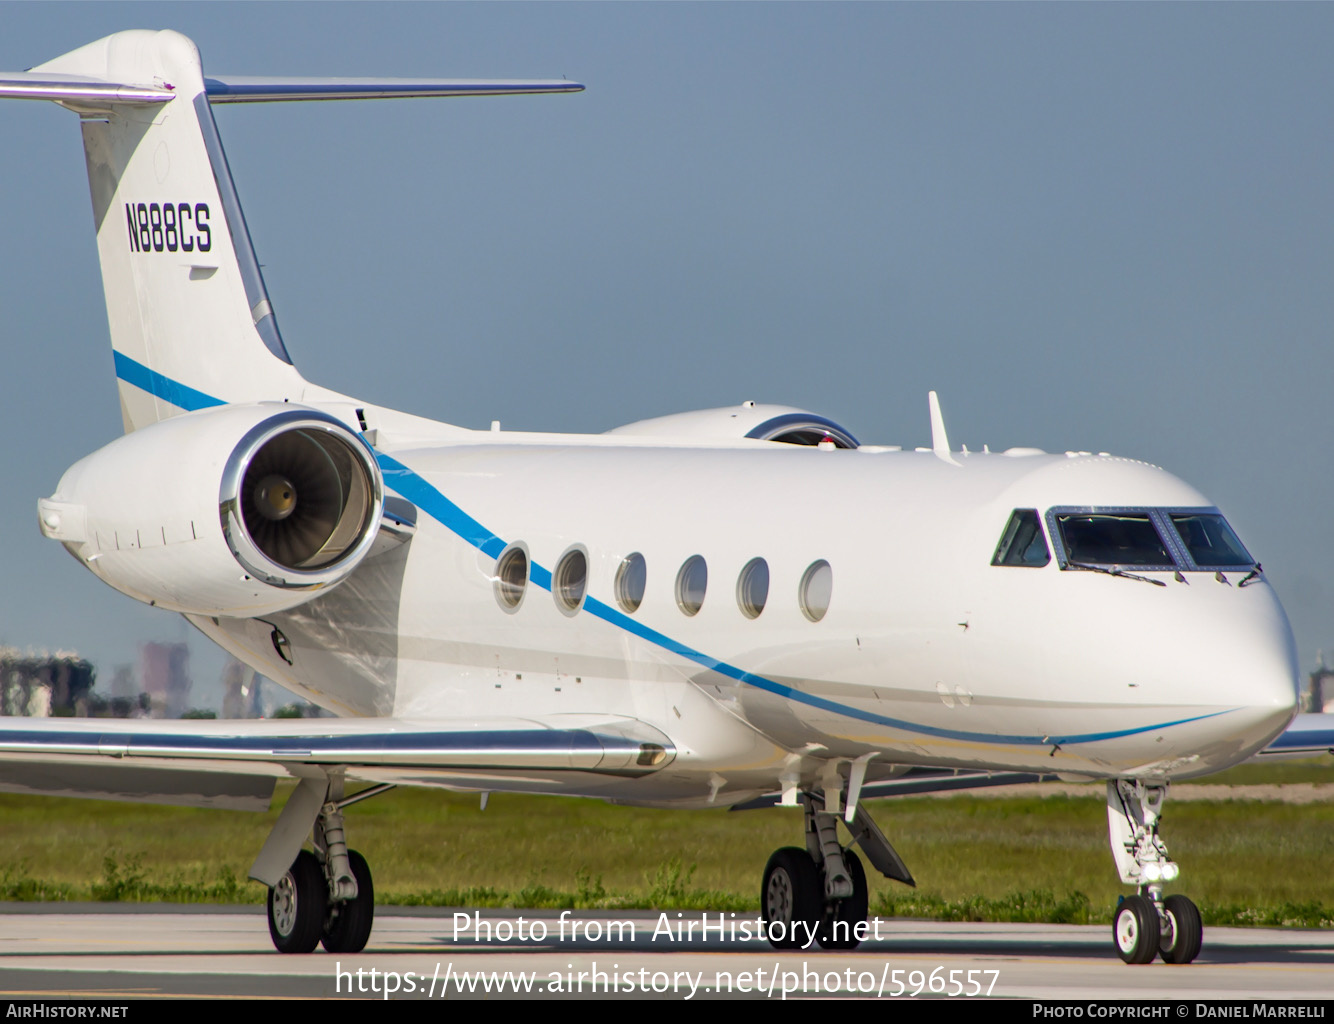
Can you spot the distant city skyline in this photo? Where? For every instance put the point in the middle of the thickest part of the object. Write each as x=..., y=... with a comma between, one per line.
x=1089, y=227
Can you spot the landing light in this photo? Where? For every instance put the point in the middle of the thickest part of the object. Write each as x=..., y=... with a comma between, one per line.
x=1159, y=871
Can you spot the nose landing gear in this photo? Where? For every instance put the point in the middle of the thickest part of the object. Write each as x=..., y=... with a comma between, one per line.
x=1146, y=925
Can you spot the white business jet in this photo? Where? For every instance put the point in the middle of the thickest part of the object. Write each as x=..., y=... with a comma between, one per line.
x=705, y=610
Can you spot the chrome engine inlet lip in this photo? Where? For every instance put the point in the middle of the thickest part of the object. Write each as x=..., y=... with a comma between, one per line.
x=243, y=547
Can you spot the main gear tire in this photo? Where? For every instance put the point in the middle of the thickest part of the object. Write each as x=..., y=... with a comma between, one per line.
x=297, y=906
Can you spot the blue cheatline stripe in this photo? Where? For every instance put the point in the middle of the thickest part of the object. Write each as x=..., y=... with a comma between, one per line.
x=424, y=496
x=165, y=388
x=431, y=501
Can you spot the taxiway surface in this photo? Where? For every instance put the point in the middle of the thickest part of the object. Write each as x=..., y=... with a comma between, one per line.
x=114, y=951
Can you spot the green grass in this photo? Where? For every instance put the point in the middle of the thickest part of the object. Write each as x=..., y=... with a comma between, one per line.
x=1319, y=770
x=975, y=858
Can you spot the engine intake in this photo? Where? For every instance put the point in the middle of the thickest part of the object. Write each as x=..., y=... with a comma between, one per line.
x=305, y=490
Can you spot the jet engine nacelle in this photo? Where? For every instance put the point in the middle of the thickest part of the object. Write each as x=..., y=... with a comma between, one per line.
x=782, y=423
x=238, y=510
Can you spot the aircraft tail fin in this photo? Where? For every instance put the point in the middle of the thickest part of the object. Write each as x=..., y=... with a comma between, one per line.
x=191, y=322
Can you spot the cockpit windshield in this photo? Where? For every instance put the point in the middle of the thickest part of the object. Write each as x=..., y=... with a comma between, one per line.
x=1210, y=540
x=1126, y=538
x=1114, y=539
x=1179, y=539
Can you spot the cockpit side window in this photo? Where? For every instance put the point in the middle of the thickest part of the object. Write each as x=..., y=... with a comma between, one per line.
x=1210, y=541
x=1022, y=542
x=1123, y=538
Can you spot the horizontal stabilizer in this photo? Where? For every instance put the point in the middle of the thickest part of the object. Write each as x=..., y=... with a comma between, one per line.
x=245, y=89
x=37, y=85
x=100, y=93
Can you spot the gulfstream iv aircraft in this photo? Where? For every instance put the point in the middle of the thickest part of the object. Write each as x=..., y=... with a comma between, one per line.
x=489, y=610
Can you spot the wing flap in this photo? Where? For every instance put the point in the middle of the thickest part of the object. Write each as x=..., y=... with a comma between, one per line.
x=99, y=780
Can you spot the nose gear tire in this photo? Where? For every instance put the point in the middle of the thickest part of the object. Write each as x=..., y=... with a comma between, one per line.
x=1181, y=944
x=1135, y=930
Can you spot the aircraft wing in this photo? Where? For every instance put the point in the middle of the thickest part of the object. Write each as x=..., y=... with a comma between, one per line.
x=234, y=763
x=1307, y=736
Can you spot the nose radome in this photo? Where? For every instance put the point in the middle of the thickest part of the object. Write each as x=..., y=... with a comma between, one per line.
x=1256, y=671
x=1225, y=651
x=1277, y=695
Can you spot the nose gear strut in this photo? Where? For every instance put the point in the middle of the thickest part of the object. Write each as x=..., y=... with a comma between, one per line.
x=1147, y=925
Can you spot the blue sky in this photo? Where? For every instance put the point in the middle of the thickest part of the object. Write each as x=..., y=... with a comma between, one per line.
x=1102, y=227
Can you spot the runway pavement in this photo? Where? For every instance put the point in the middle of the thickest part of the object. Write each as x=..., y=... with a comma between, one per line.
x=118, y=950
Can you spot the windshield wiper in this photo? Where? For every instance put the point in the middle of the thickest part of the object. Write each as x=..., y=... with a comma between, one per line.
x=1253, y=575
x=1114, y=572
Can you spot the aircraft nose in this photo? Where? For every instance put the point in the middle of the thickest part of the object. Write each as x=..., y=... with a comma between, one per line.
x=1218, y=660
x=1252, y=659
x=1266, y=678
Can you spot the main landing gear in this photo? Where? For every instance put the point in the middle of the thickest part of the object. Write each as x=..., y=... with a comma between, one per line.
x=1147, y=925
x=819, y=894
x=325, y=897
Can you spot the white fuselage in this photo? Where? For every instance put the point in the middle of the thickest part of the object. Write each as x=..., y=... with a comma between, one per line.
x=928, y=654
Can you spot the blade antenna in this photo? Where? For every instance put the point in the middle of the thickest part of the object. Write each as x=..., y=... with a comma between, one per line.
x=940, y=442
